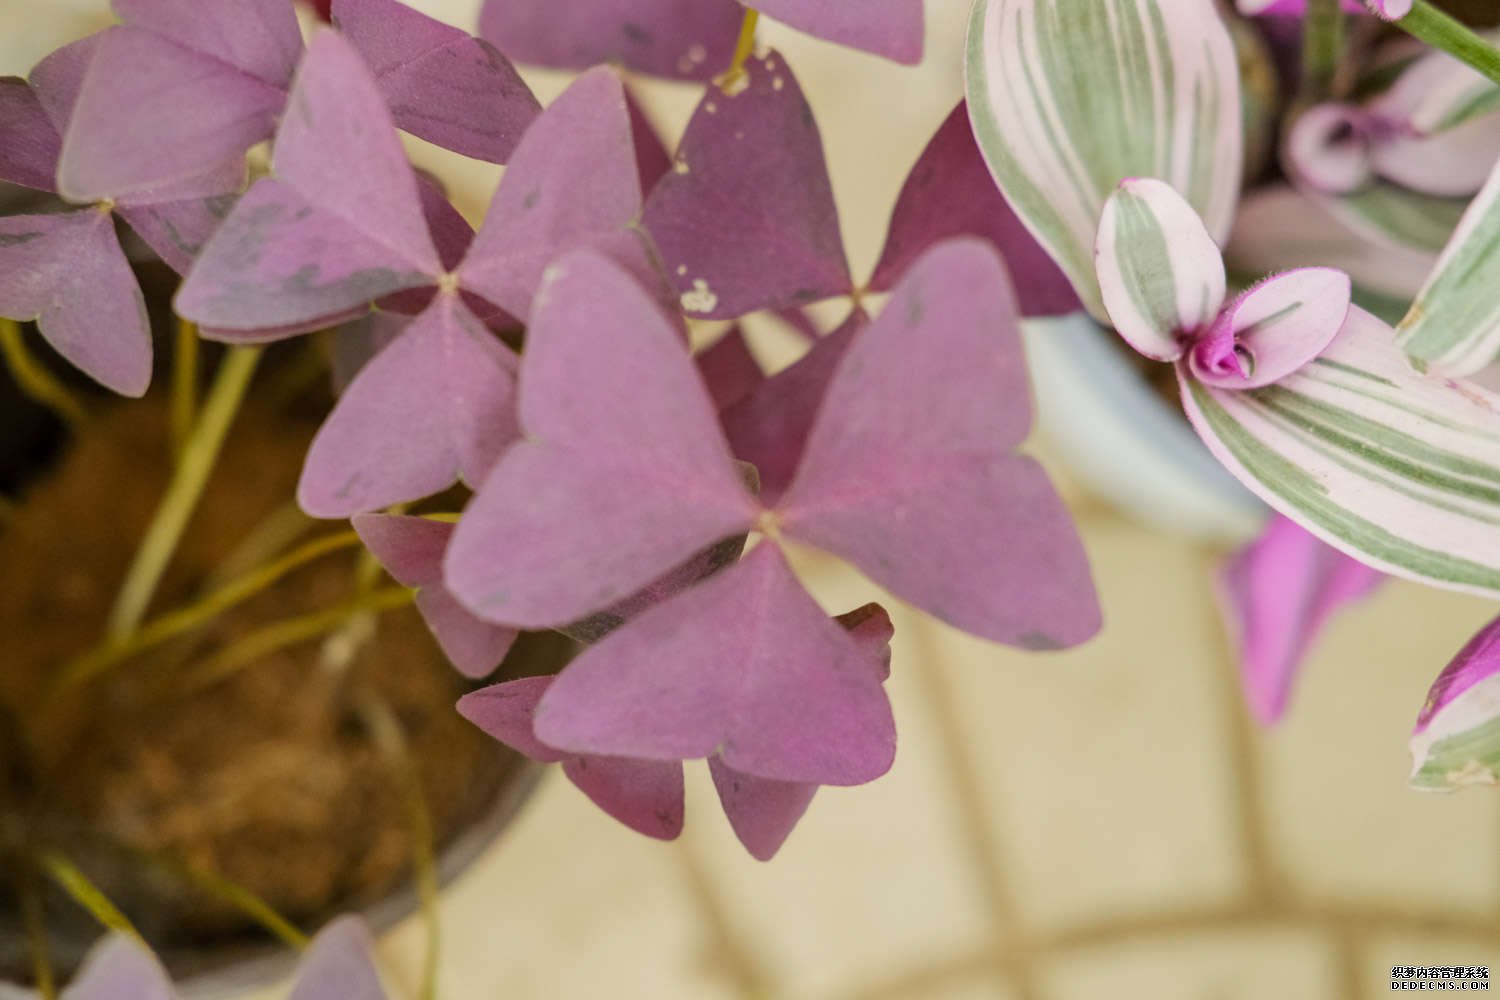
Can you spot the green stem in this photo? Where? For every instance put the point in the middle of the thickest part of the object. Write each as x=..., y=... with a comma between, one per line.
x=743, y=49
x=184, y=384
x=36, y=933
x=1322, y=44
x=35, y=380
x=85, y=893
x=241, y=898
x=1443, y=32
x=193, y=470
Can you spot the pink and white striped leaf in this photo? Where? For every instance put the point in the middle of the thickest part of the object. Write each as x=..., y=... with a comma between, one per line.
x=890, y=28
x=1454, y=324
x=1070, y=97
x=623, y=473
x=1400, y=470
x=572, y=182
x=910, y=470
x=436, y=406
x=1272, y=329
x=730, y=254
x=683, y=39
x=745, y=665
x=440, y=83
x=1328, y=148
x=339, y=964
x=1393, y=216
x=950, y=193
x=1161, y=278
x=1288, y=8
x=411, y=550
x=1457, y=737
x=1439, y=92
x=645, y=795
x=1277, y=594
x=119, y=967
x=68, y=273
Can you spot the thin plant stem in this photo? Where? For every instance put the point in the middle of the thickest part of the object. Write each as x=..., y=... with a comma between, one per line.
x=240, y=897
x=193, y=469
x=385, y=731
x=85, y=893
x=1322, y=45
x=742, y=50
x=108, y=654
x=1442, y=31
x=184, y=384
x=36, y=933
x=291, y=632
x=34, y=379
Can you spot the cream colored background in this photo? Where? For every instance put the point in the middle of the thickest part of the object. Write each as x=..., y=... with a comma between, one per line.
x=1097, y=823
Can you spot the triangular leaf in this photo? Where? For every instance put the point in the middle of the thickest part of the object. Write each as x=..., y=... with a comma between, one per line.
x=909, y=473
x=259, y=37
x=29, y=144
x=178, y=230
x=746, y=219
x=120, y=968
x=339, y=965
x=890, y=28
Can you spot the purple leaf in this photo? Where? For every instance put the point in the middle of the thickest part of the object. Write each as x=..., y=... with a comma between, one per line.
x=120, y=968
x=1278, y=593
x=951, y=192
x=435, y=406
x=572, y=182
x=645, y=795
x=729, y=369
x=744, y=664
x=686, y=39
x=890, y=28
x=58, y=79
x=746, y=219
x=178, y=230
x=152, y=113
x=411, y=550
x=909, y=474
x=339, y=965
x=769, y=427
x=29, y=143
x=69, y=274
x=339, y=226
x=1272, y=329
x=259, y=37
x=359, y=340
x=1455, y=742
x=652, y=159
x=623, y=473
x=440, y=83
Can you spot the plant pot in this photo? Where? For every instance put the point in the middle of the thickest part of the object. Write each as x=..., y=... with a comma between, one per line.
x=1118, y=436
x=94, y=501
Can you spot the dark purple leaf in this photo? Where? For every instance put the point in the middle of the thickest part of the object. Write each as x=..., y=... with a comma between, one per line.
x=178, y=230
x=746, y=219
x=652, y=159
x=729, y=369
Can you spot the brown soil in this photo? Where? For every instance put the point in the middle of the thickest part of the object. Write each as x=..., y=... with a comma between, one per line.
x=267, y=778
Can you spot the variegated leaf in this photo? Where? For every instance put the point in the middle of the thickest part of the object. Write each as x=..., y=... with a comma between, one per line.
x=1397, y=217
x=1397, y=468
x=1454, y=325
x=1457, y=738
x=1070, y=97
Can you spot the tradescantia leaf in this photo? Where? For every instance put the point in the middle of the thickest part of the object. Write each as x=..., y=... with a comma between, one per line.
x=1399, y=469
x=1454, y=325
x=1457, y=737
x=1160, y=273
x=1395, y=216
x=1070, y=97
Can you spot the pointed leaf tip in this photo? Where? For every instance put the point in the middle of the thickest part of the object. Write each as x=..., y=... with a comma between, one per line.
x=1457, y=737
x=339, y=964
x=890, y=28
x=119, y=966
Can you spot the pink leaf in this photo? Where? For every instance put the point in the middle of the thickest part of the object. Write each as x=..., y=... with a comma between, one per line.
x=120, y=968
x=411, y=550
x=29, y=143
x=1278, y=594
x=769, y=427
x=744, y=664
x=746, y=219
x=950, y=192
x=435, y=406
x=890, y=28
x=152, y=113
x=687, y=39
x=69, y=274
x=339, y=965
x=909, y=473
x=359, y=340
x=623, y=474
x=178, y=230
x=729, y=369
x=1272, y=329
x=258, y=37
x=645, y=795
x=573, y=182
x=1455, y=741
x=440, y=83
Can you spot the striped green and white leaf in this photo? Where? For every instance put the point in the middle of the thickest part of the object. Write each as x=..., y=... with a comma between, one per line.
x=1070, y=97
x=1439, y=92
x=1398, y=217
x=1399, y=469
x=1457, y=738
x=1160, y=273
x=1454, y=324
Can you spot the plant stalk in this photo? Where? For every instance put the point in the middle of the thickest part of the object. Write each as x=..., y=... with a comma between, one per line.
x=1442, y=31
x=743, y=49
x=34, y=379
x=197, y=462
x=85, y=893
x=1322, y=45
x=240, y=897
x=184, y=385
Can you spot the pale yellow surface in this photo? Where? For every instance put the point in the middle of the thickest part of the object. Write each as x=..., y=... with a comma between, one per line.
x=1097, y=823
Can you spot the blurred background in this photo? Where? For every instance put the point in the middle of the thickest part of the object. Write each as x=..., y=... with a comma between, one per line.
x=1104, y=822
